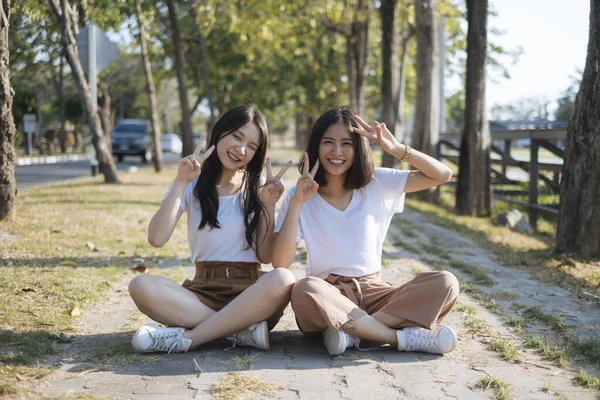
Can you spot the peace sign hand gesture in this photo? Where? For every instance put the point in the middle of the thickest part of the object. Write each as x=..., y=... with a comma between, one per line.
x=306, y=186
x=189, y=167
x=378, y=134
x=273, y=188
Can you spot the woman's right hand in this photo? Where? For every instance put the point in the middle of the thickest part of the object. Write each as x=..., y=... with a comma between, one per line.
x=189, y=167
x=306, y=187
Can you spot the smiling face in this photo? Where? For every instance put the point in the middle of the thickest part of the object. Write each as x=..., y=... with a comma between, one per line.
x=336, y=150
x=236, y=149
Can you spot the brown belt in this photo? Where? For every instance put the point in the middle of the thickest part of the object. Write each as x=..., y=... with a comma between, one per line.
x=227, y=270
x=346, y=282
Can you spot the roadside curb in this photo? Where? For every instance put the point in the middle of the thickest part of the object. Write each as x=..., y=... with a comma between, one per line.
x=51, y=159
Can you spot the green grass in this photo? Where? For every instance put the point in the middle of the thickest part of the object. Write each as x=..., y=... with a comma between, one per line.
x=589, y=349
x=48, y=269
x=505, y=350
x=436, y=250
x=23, y=348
x=536, y=314
x=407, y=246
x=587, y=381
x=462, y=308
x=517, y=323
x=476, y=326
x=434, y=263
x=508, y=296
x=499, y=387
x=474, y=272
x=478, y=295
x=17, y=379
x=546, y=350
x=511, y=248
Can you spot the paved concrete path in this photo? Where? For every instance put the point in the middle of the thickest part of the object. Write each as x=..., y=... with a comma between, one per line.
x=301, y=367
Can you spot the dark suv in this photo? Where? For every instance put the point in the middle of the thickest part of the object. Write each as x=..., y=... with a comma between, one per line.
x=131, y=137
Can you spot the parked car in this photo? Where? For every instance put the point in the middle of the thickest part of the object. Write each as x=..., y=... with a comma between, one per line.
x=171, y=143
x=131, y=137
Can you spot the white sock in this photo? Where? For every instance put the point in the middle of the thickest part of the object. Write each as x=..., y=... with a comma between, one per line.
x=401, y=336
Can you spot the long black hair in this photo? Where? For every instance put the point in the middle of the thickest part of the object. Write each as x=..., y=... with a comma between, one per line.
x=212, y=169
x=362, y=170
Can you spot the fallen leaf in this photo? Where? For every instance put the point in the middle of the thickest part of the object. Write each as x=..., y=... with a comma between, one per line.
x=76, y=312
x=571, y=262
x=141, y=268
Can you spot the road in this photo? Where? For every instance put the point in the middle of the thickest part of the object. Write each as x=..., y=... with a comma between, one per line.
x=29, y=176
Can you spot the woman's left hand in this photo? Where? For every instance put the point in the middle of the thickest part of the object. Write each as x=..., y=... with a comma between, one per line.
x=379, y=133
x=272, y=190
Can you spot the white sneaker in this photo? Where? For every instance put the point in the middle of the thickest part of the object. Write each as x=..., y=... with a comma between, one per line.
x=256, y=335
x=337, y=341
x=439, y=340
x=153, y=338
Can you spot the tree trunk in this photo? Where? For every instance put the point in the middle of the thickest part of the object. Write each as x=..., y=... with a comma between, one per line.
x=8, y=184
x=426, y=127
x=400, y=95
x=390, y=81
x=205, y=72
x=579, y=216
x=303, y=125
x=151, y=89
x=105, y=109
x=61, y=104
x=106, y=164
x=473, y=191
x=186, y=118
x=356, y=57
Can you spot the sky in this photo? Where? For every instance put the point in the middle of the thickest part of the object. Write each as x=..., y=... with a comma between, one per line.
x=554, y=38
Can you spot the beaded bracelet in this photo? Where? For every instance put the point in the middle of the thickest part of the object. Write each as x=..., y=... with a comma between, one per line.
x=406, y=155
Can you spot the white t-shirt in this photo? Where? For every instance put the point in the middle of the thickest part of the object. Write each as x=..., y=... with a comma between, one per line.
x=227, y=243
x=349, y=242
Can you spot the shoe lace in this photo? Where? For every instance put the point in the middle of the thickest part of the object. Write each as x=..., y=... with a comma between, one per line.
x=168, y=341
x=420, y=339
x=245, y=337
x=356, y=342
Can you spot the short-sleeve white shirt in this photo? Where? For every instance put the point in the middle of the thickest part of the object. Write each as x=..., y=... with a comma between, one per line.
x=349, y=242
x=227, y=243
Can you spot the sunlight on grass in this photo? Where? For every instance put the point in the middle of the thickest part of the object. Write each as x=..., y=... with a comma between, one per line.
x=68, y=245
x=234, y=385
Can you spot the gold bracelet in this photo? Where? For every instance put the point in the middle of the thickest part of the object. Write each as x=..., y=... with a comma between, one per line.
x=406, y=155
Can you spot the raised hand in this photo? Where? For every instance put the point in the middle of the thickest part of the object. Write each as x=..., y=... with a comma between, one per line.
x=189, y=167
x=273, y=188
x=306, y=186
x=378, y=133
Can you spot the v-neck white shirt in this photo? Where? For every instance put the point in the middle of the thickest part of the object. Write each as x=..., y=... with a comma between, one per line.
x=349, y=242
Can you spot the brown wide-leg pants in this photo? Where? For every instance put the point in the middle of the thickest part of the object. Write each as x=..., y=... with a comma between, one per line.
x=333, y=302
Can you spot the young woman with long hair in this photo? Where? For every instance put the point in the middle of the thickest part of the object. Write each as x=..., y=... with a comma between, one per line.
x=230, y=221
